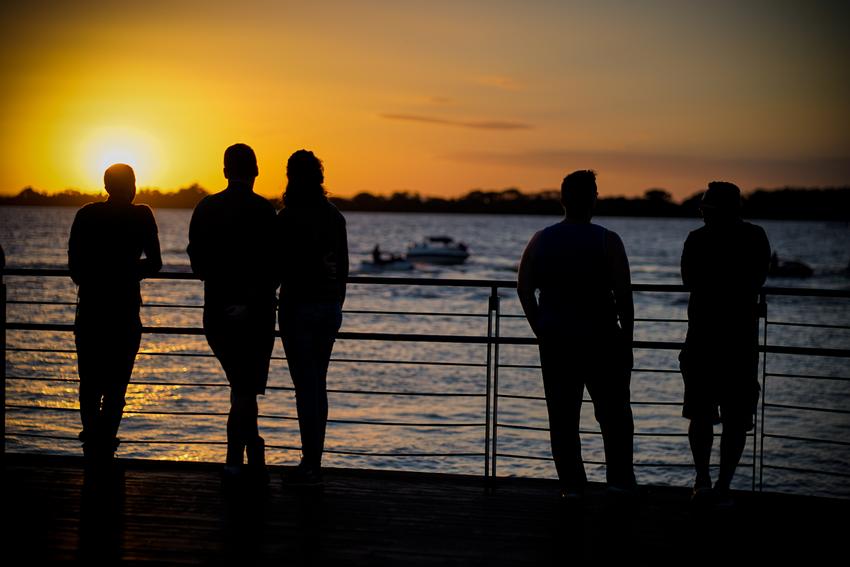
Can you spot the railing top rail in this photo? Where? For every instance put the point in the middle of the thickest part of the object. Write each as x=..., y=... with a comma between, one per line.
x=454, y=282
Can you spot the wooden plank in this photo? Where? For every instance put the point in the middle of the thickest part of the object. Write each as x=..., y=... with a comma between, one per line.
x=177, y=513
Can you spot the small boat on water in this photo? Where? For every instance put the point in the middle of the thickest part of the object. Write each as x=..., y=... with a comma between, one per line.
x=382, y=262
x=438, y=250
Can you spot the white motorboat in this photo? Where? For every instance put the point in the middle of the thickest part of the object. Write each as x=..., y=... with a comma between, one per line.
x=438, y=250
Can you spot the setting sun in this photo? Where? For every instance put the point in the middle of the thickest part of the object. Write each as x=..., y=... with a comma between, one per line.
x=106, y=146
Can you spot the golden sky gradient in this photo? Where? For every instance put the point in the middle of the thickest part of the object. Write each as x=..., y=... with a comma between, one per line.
x=435, y=97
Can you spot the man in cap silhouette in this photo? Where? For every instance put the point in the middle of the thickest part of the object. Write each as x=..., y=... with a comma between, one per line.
x=724, y=264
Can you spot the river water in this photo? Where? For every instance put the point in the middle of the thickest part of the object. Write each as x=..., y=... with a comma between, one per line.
x=450, y=425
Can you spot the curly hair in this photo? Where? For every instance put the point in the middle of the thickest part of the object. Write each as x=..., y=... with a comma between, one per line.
x=305, y=177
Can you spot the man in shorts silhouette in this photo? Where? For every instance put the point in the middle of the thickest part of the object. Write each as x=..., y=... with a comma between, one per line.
x=724, y=264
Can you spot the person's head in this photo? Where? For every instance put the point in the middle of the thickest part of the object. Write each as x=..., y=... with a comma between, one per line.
x=240, y=164
x=305, y=176
x=721, y=202
x=578, y=194
x=119, y=180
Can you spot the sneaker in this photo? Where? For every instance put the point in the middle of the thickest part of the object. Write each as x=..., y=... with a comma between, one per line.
x=302, y=476
x=702, y=490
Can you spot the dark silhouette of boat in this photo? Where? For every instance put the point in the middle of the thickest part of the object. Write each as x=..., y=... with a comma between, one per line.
x=788, y=268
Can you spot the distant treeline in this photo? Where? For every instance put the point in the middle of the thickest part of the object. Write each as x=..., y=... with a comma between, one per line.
x=185, y=198
x=787, y=203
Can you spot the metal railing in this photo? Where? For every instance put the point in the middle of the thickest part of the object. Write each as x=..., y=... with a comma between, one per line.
x=490, y=368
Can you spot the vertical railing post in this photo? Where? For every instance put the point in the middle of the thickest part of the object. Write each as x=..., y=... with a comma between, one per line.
x=761, y=430
x=3, y=346
x=487, y=422
x=494, y=309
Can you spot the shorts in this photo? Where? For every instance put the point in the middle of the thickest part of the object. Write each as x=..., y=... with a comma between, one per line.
x=720, y=388
x=242, y=338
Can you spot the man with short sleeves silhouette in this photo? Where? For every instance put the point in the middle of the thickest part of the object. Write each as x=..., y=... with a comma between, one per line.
x=584, y=321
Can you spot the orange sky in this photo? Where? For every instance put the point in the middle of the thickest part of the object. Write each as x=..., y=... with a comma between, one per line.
x=435, y=97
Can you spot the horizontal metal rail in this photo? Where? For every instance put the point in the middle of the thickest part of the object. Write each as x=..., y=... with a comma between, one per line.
x=808, y=376
x=805, y=470
x=805, y=408
x=261, y=416
x=594, y=431
x=808, y=439
x=454, y=282
x=809, y=325
x=587, y=401
x=274, y=388
x=270, y=446
x=602, y=463
x=490, y=425
x=434, y=338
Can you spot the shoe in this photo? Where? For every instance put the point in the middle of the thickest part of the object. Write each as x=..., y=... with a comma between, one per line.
x=99, y=454
x=702, y=496
x=723, y=499
x=231, y=477
x=256, y=470
x=572, y=496
x=302, y=476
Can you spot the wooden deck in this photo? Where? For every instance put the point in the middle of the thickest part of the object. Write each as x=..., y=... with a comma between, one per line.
x=177, y=513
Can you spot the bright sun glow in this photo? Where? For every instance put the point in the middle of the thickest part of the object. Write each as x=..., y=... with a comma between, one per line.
x=107, y=146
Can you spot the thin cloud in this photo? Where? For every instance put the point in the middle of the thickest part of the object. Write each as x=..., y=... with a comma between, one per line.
x=439, y=100
x=502, y=82
x=476, y=124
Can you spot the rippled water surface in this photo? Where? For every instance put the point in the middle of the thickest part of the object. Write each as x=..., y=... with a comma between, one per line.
x=175, y=374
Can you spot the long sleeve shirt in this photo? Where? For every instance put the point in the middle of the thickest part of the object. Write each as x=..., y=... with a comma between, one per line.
x=105, y=251
x=312, y=253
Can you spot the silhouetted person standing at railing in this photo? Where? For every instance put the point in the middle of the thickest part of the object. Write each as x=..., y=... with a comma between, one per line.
x=312, y=259
x=105, y=251
x=584, y=320
x=724, y=264
x=230, y=247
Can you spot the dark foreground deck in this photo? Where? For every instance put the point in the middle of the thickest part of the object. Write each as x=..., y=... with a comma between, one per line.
x=177, y=513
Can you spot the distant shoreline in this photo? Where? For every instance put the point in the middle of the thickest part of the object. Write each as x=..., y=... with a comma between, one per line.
x=786, y=203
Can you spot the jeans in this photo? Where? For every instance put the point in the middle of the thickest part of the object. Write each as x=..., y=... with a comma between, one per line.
x=567, y=369
x=308, y=331
x=106, y=353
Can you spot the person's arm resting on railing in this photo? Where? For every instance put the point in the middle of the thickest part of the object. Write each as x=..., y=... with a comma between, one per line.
x=526, y=286
x=621, y=285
